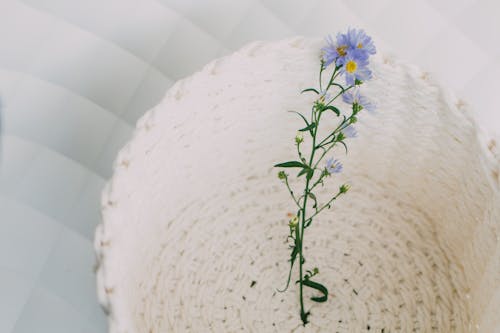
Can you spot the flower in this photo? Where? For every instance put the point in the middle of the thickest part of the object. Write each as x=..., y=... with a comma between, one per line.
x=355, y=68
x=359, y=101
x=333, y=166
x=350, y=132
x=359, y=42
x=329, y=52
x=355, y=43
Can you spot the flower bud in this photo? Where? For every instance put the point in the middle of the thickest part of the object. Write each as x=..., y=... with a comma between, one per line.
x=344, y=188
x=293, y=222
x=299, y=138
x=353, y=120
x=340, y=136
x=281, y=175
x=315, y=270
x=320, y=104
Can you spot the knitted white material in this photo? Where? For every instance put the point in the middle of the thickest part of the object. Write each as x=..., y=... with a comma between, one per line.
x=195, y=212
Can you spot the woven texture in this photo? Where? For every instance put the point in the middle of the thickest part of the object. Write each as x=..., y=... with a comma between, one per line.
x=194, y=212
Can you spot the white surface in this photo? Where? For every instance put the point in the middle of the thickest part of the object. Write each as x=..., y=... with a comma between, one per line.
x=194, y=212
x=75, y=76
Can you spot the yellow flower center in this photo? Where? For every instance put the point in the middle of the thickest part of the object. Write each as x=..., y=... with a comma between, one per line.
x=341, y=50
x=360, y=46
x=351, y=66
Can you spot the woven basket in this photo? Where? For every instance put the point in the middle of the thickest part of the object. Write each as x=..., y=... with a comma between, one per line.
x=194, y=218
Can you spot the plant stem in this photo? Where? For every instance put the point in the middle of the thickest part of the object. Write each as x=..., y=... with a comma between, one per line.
x=324, y=206
x=303, y=314
x=291, y=192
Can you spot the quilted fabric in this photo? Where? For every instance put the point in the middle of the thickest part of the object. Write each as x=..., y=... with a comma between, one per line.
x=194, y=212
x=76, y=75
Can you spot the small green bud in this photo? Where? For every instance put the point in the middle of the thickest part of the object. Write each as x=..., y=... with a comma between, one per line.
x=315, y=270
x=344, y=188
x=281, y=175
x=340, y=136
x=320, y=104
x=353, y=120
x=299, y=138
x=356, y=108
x=293, y=222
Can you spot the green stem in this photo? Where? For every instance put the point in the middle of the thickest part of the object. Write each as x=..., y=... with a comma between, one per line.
x=291, y=192
x=320, y=73
x=303, y=314
x=324, y=206
x=340, y=127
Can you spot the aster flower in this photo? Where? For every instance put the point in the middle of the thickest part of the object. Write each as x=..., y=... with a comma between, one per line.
x=333, y=166
x=348, y=54
x=350, y=132
x=354, y=97
x=355, y=68
x=329, y=52
x=355, y=43
x=359, y=42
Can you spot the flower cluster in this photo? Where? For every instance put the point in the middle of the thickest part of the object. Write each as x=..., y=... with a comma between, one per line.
x=349, y=54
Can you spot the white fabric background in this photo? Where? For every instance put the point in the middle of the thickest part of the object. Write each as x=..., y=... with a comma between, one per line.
x=76, y=75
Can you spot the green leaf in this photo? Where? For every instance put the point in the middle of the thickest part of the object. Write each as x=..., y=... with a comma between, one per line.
x=310, y=89
x=293, y=257
x=338, y=85
x=300, y=114
x=302, y=172
x=308, y=128
x=291, y=164
x=319, y=287
x=345, y=146
x=312, y=196
x=333, y=108
x=310, y=173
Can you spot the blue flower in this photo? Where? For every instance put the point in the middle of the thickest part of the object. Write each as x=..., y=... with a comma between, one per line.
x=355, y=68
x=359, y=42
x=350, y=132
x=333, y=166
x=354, y=43
x=330, y=52
x=354, y=97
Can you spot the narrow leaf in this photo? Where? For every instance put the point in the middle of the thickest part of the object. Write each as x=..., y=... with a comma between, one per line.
x=300, y=114
x=310, y=89
x=345, y=146
x=308, y=128
x=290, y=164
x=319, y=287
x=303, y=172
x=338, y=85
x=333, y=108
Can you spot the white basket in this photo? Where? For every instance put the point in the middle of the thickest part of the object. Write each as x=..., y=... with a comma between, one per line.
x=194, y=212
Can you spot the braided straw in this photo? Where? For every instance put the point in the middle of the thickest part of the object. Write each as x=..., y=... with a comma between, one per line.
x=194, y=218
